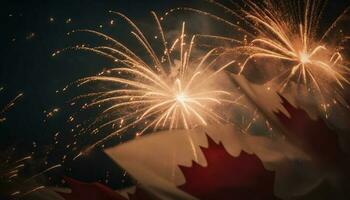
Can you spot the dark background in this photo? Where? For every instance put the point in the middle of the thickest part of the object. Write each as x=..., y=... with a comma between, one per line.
x=28, y=38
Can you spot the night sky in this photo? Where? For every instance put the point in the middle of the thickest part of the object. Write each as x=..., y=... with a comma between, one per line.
x=31, y=31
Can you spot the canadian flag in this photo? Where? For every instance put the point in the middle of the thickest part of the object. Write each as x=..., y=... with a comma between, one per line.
x=222, y=162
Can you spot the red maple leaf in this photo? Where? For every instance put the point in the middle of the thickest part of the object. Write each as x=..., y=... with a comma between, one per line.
x=227, y=177
x=98, y=191
x=91, y=191
x=313, y=136
x=139, y=194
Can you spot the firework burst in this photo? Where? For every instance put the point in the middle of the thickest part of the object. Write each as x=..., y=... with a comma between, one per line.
x=175, y=90
x=290, y=32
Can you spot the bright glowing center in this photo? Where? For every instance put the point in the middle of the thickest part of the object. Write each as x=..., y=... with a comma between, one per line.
x=181, y=98
x=304, y=57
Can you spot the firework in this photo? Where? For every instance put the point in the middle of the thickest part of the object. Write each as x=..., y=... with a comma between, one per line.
x=173, y=90
x=289, y=32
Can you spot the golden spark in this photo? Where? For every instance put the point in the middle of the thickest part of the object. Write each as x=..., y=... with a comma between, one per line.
x=294, y=39
x=8, y=106
x=173, y=91
x=290, y=31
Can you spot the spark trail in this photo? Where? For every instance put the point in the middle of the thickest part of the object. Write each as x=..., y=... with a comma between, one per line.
x=293, y=33
x=173, y=90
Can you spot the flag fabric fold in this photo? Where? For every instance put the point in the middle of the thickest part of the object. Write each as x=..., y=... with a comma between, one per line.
x=224, y=162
